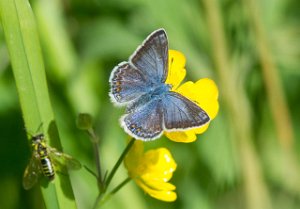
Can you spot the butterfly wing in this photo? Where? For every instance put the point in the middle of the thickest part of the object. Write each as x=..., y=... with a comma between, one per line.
x=180, y=113
x=127, y=84
x=151, y=58
x=145, y=122
x=146, y=68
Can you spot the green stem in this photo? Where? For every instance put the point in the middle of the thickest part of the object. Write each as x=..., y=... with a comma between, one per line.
x=117, y=188
x=95, y=143
x=99, y=197
x=120, y=160
x=100, y=201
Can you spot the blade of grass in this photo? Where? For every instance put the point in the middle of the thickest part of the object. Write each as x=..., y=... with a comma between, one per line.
x=275, y=92
x=289, y=173
x=28, y=68
x=55, y=39
x=237, y=105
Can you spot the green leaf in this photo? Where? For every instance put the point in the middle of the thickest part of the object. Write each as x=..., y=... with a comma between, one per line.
x=28, y=69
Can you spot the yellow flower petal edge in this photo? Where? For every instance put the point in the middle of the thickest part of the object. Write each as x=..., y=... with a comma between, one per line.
x=152, y=170
x=163, y=195
x=176, y=70
x=132, y=158
x=158, y=185
x=181, y=136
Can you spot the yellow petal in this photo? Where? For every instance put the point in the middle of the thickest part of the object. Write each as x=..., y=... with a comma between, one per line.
x=167, y=196
x=164, y=195
x=201, y=129
x=204, y=92
x=176, y=70
x=159, y=164
x=186, y=136
x=157, y=176
x=158, y=185
x=181, y=136
x=152, y=171
x=207, y=89
x=160, y=157
x=188, y=89
x=207, y=96
x=132, y=159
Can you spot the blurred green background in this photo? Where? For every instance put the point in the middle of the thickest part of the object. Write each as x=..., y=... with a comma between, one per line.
x=248, y=158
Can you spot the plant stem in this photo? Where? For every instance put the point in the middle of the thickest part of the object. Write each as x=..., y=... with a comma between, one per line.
x=95, y=144
x=120, y=160
x=103, y=199
x=105, y=184
x=117, y=188
x=96, y=203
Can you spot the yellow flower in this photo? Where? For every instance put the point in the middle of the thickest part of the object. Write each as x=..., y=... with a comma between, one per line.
x=204, y=92
x=152, y=170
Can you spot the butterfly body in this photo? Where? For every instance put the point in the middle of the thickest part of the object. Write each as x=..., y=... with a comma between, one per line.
x=154, y=93
x=152, y=106
x=159, y=90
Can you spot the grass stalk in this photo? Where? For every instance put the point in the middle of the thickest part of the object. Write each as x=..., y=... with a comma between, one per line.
x=236, y=102
x=28, y=68
x=275, y=93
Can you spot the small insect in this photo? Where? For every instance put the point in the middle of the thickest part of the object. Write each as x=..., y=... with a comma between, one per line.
x=45, y=160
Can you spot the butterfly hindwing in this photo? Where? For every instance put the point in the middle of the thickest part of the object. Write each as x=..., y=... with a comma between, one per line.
x=144, y=123
x=180, y=113
x=151, y=58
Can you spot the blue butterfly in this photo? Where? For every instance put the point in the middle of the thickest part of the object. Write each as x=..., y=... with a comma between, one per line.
x=151, y=106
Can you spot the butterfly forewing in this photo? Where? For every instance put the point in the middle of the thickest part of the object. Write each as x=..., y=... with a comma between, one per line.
x=180, y=113
x=151, y=58
x=127, y=83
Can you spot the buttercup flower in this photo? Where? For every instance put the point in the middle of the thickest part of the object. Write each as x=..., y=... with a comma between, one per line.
x=204, y=92
x=152, y=170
